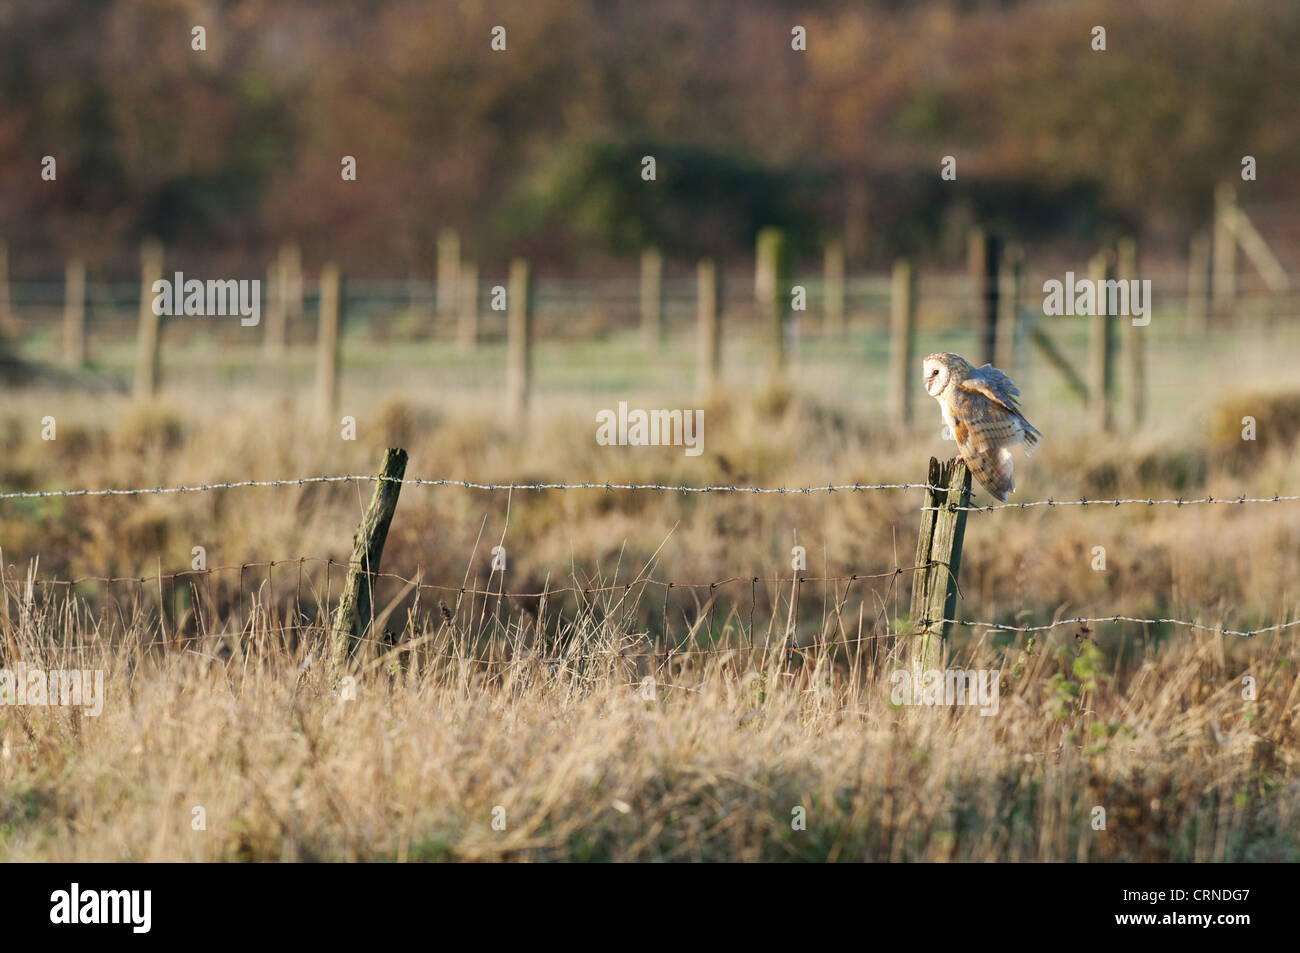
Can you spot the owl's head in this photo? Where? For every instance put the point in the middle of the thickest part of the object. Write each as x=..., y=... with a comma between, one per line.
x=942, y=369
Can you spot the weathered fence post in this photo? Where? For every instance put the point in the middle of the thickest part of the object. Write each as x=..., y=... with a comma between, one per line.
x=148, y=341
x=1126, y=270
x=8, y=326
x=467, y=328
x=448, y=272
x=983, y=257
x=519, y=341
x=652, y=297
x=710, y=330
x=1009, y=282
x=1101, y=344
x=833, y=290
x=771, y=277
x=1198, y=284
x=277, y=302
x=902, y=342
x=938, y=552
x=356, y=605
x=291, y=274
x=74, y=313
x=327, y=341
x=285, y=294
x=1225, y=248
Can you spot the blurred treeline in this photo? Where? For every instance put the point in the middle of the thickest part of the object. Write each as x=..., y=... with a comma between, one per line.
x=536, y=150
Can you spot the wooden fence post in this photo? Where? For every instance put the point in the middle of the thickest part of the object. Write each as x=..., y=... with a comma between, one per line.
x=710, y=329
x=1101, y=345
x=983, y=257
x=833, y=290
x=448, y=272
x=652, y=301
x=467, y=329
x=771, y=277
x=148, y=340
x=278, y=302
x=519, y=341
x=1126, y=270
x=327, y=341
x=938, y=551
x=285, y=275
x=1198, y=284
x=74, y=313
x=291, y=263
x=356, y=605
x=1225, y=248
x=8, y=325
x=902, y=342
x=1008, y=321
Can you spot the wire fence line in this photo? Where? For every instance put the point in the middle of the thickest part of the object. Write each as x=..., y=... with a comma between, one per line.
x=388, y=641
x=329, y=563
x=1240, y=499
x=1090, y=620
x=466, y=484
x=1149, y=501
x=417, y=584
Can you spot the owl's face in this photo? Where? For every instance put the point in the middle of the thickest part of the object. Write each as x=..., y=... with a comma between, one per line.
x=937, y=374
x=943, y=369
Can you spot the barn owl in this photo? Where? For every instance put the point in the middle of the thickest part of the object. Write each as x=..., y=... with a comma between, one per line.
x=979, y=405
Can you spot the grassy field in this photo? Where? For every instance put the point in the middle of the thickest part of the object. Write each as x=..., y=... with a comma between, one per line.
x=766, y=707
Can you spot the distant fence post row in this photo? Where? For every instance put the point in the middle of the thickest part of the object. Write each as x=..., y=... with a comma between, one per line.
x=998, y=294
x=996, y=271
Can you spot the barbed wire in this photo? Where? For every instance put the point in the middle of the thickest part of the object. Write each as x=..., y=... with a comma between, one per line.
x=18, y=581
x=330, y=563
x=1083, y=501
x=658, y=487
x=669, y=652
x=1122, y=618
x=469, y=485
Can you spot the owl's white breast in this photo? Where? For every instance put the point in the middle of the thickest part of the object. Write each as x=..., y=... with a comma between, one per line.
x=946, y=407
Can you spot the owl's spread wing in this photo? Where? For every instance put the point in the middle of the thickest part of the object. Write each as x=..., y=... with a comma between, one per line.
x=985, y=426
x=983, y=422
x=989, y=392
x=994, y=385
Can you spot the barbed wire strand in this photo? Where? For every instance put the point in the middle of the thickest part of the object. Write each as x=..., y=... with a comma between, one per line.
x=466, y=484
x=825, y=643
x=468, y=590
x=1123, y=618
x=669, y=585
x=656, y=487
x=1083, y=501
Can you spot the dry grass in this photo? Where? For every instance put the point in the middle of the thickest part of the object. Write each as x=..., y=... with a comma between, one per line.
x=709, y=767
x=538, y=707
